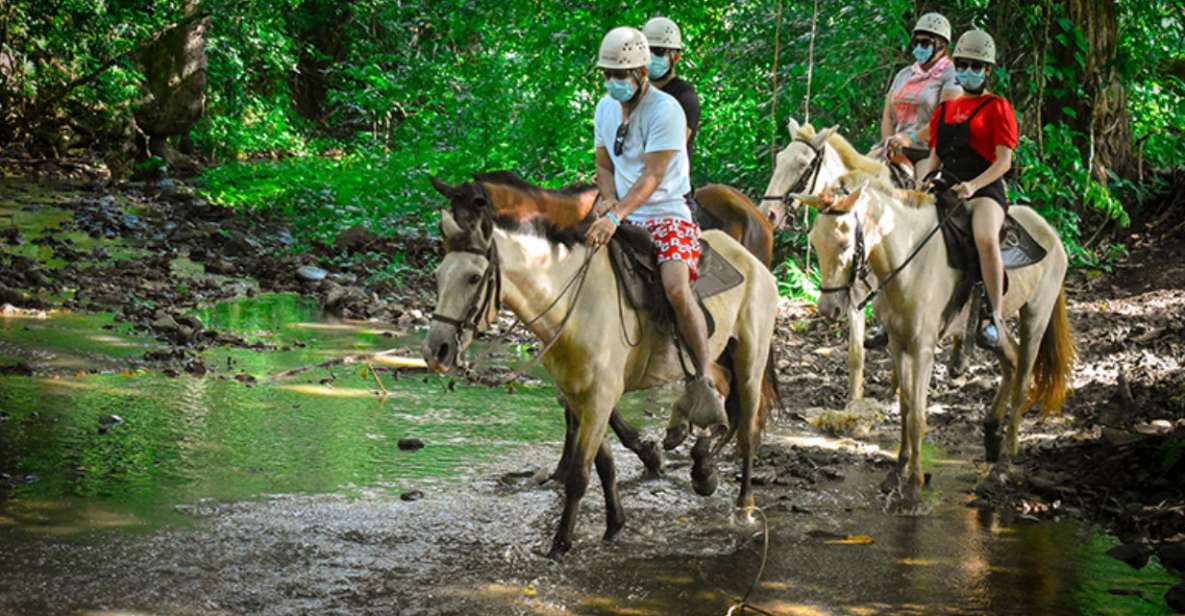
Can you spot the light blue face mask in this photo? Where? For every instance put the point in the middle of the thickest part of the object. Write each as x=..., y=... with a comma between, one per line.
x=971, y=80
x=620, y=89
x=922, y=54
x=659, y=66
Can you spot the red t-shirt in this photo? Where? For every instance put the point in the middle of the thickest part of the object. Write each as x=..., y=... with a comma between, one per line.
x=994, y=125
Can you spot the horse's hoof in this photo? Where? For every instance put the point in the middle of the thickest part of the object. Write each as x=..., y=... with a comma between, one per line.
x=559, y=548
x=706, y=486
x=652, y=459
x=892, y=482
x=675, y=437
x=992, y=441
x=612, y=531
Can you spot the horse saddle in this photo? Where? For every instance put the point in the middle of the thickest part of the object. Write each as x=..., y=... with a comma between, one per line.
x=1017, y=247
x=632, y=253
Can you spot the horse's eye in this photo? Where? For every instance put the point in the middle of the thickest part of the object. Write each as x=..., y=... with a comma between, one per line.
x=474, y=279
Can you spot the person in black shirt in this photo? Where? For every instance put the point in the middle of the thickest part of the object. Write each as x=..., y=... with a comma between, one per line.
x=666, y=48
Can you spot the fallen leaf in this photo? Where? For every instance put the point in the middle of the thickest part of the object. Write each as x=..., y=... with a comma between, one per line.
x=852, y=540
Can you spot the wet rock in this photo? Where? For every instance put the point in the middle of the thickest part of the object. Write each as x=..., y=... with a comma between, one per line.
x=410, y=444
x=165, y=323
x=1172, y=556
x=413, y=495
x=311, y=273
x=1175, y=597
x=10, y=296
x=1135, y=555
x=221, y=266
x=240, y=244
x=354, y=238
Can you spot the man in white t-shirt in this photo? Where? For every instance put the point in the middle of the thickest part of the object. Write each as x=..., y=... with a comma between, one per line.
x=643, y=175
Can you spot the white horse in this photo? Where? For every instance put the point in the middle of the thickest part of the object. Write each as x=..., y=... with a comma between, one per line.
x=890, y=225
x=811, y=161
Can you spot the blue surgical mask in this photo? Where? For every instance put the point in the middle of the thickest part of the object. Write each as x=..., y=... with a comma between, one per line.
x=620, y=89
x=971, y=80
x=922, y=54
x=659, y=65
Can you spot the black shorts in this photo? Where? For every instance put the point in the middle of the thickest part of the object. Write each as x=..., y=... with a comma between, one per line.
x=996, y=192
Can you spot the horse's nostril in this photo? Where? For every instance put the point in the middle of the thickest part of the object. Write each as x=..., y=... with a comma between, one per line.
x=442, y=352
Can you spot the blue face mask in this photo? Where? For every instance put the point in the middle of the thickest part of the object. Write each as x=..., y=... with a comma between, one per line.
x=659, y=66
x=922, y=54
x=620, y=89
x=971, y=80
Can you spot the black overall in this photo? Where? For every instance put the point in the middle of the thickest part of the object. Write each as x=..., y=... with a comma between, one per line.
x=961, y=160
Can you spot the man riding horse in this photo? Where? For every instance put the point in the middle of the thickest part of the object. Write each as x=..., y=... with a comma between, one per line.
x=643, y=174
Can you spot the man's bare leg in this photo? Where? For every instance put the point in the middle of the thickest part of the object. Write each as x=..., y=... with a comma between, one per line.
x=700, y=404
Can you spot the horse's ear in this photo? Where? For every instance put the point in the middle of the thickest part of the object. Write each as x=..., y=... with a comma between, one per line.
x=448, y=226
x=444, y=189
x=792, y=126
x=822, y=136
x=809, y=200
x=845, y=204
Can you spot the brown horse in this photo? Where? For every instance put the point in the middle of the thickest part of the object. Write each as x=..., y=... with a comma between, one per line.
x=609, y=348
x=565, y=214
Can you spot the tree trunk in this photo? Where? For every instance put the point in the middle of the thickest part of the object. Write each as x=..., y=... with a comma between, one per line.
x=320, y=27
x=175, y=68
x=1100, y=112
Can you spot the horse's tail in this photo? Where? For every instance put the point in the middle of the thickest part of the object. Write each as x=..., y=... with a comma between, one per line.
x=1055, y=361
x=770, y=396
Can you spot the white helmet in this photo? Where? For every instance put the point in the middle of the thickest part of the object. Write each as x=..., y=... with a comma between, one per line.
x=976, y=45
x=662, y=32
x=623, y=47
x=934, y=24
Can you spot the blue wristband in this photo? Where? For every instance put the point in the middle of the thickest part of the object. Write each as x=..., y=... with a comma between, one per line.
x=613, y=217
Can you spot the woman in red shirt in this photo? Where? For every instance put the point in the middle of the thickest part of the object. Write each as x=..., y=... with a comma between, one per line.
x=971, y=139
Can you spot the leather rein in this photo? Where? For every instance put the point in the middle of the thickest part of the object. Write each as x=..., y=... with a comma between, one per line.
x=492, y=297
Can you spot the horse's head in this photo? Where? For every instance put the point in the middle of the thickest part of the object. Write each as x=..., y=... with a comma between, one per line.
x=841, y=242
x=468, y=280
x=796, y=164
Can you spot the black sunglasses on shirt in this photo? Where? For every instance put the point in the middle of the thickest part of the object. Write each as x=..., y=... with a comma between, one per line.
x=964, y=65
x=619, y=140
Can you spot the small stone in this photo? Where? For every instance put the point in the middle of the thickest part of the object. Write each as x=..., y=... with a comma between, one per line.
x=311, y=273
x=1175, y=597
x=110, y=420
x=1172, y=556
x=410, y=444
x=1134, y=554
x=413, y=495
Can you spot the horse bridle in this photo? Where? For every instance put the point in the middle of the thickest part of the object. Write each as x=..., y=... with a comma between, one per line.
x=491, y=295
x=811, y=174
x=860, y=269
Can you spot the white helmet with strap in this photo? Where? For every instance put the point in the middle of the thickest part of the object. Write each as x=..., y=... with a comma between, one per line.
x=662, y=32
x=623, y=47
x=934, y=23
x=976, y=45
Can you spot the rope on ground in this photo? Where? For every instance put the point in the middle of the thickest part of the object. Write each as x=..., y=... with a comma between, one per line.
x=743, y=604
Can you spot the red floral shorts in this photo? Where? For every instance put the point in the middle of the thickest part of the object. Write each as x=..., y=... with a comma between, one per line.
x=675, y=239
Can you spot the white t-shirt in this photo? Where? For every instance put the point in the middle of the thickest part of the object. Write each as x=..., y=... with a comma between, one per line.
x=657, y=124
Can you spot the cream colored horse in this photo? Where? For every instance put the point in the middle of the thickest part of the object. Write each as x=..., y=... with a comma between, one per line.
x=811, y=161
x=893, y=224
x=606, y=348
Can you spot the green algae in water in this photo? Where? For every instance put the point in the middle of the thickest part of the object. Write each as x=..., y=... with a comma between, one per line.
x=74, y=337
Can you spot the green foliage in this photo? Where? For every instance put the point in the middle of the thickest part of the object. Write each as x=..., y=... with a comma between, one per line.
x=795, y=283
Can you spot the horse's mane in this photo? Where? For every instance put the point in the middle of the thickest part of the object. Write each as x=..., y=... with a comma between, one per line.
x=532, y=222
x=847, y=153
x=856, y=179
x=511, y=179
